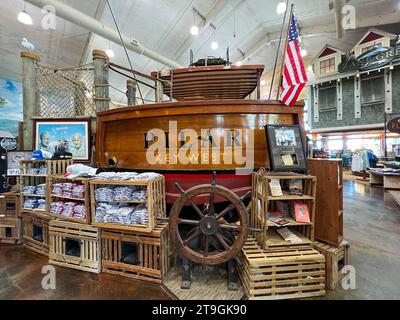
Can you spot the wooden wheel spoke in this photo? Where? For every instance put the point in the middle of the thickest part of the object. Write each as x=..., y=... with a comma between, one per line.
x=222, y=241
x=194, y=235
x=185, y=221
x=196, y=209
x=231, y=227
x=205, y=248
x=225, y=211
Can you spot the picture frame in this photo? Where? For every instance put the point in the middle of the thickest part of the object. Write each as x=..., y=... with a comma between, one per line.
x=13, y=161
x=286, y=148
x=70, y=135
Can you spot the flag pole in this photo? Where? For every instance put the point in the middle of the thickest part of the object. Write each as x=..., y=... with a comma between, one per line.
x=277, y=51
x=284, y=52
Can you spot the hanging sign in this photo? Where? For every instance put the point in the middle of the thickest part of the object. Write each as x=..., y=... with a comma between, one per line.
x=373, y=59
x=394, y=125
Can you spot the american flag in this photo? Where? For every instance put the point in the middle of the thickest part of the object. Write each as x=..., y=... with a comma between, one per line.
x=294, y=74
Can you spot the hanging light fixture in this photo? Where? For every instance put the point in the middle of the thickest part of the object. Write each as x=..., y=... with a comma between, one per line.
x=263, y=82
x=195, y=30
x=24, y=17
x=109, y=51
x=281, y=8
x=214, y=43
x=239, y=63
x=303, y=52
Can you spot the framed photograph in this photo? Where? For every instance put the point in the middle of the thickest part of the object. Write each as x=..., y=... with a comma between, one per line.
x=286, y=148
x=13, y=161
x=68, y=135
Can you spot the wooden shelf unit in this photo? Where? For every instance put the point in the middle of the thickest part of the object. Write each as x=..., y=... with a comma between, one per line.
x=60, y=198
x=10, y=205
x=54, y=167
x=155, y=202
x=262, y=202
x=329, y=204
x=35, y=230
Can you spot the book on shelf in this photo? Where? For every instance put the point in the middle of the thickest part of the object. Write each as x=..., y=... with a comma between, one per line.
x=301, y=212
x=284, y=207
x=288, y=235
x=296, y=187
x=275, y=187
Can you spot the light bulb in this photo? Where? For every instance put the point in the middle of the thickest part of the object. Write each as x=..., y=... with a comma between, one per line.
x=281, y=8
x=25, y=18
x=214, y=45
x=110, y=53
x=309, y=69
x=303, y=52
x=239, y=63
x=263, y=82
x=194, y=30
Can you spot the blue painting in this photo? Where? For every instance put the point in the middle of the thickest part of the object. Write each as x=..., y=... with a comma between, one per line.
x=11, y=108
x=56, y=136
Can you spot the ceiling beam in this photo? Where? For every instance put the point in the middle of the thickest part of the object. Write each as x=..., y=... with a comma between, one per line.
x=88, y=44
x=330, y=28
x=85, y=21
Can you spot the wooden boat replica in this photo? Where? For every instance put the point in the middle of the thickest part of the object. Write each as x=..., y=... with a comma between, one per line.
x=211, y=101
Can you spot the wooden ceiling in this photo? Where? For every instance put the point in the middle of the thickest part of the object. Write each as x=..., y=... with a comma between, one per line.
x=212, y=82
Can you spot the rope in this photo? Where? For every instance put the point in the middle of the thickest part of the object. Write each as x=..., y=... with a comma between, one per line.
x=123, y=44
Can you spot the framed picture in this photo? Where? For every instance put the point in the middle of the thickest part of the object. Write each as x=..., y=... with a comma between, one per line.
x=286, y=148
x=13, y=161
x=63, y=135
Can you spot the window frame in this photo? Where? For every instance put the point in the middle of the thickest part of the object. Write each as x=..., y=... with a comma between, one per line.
x=321, y=109
x=375, y=102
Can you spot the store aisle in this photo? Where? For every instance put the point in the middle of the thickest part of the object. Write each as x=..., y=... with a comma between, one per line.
x=372, y=227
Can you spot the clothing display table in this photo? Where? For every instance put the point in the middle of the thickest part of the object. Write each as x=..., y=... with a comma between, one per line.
x=388, y=179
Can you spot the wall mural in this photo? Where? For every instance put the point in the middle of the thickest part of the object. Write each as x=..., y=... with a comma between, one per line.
x=10, y=105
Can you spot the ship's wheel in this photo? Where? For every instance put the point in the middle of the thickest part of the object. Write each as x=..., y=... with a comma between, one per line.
x=211, y=239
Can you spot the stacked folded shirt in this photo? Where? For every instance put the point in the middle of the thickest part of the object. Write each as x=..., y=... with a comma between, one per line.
x=147, y=176
x=125, y=176
x=41, y=204
x=71, y=190
x=29, y=190
x=139, y=195
x=78, y=191
x=41, y=189
x=57, y=189
x=104, y=194
x=121, y=214
x=30, y=204
x=68, y=209
x=123, y=193
x=67, y=189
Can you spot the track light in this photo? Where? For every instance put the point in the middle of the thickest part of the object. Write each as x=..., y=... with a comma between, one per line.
x=25, y=18
x=194, y=30
x=281, y=8
x=214, y=45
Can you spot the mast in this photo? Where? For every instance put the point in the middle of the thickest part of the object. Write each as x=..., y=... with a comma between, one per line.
x=284, y=52
x=277, y=51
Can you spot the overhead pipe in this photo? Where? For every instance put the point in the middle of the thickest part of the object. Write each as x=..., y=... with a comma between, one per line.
x=85, y=21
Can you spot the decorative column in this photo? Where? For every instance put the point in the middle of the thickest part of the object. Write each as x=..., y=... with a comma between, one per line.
x=101, y=74
x=30, y=61
x=131, y=92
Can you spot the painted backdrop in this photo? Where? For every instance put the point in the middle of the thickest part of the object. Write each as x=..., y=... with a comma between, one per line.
x=10, y=105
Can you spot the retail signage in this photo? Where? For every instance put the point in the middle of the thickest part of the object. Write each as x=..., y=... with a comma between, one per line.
x=376, y=58
x=394, y=125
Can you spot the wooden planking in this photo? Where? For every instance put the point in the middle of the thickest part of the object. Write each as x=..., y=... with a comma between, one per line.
x=10, y=230
x=213, y=82
x=336, y=258
x=28, y=221
x=284, y=274
x=89, y=238
x=329, y=201
x=10, y=205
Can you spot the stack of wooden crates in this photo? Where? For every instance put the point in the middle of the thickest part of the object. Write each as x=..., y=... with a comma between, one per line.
x=36, y=221
x=273, y=268
x=10, y=221
x=137, y=251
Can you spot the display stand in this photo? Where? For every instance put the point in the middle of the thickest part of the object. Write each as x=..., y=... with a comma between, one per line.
x=155, y=203
x=263, y=204
x=10, y=222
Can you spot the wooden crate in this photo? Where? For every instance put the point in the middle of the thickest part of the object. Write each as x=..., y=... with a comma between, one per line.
x=152, y=250
x=336, y=258
x=285, y=274
x=84, y=201
x=33, y=225
x=10, y=230
x=155, y=203
x=262, y=202
x=9, y=205
x=75, y=245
